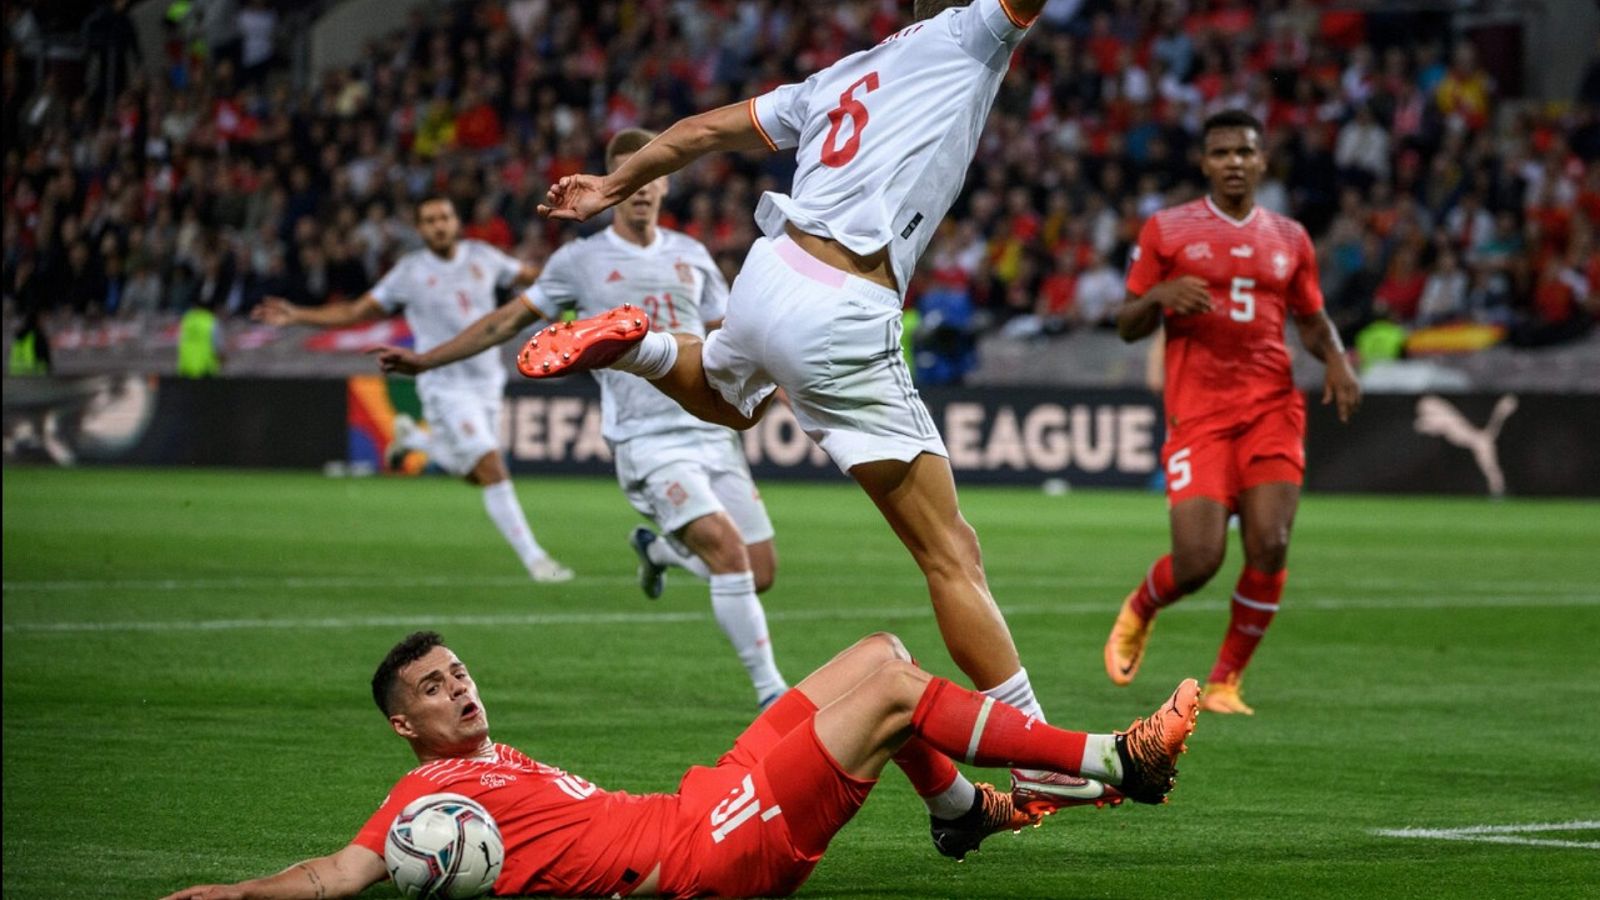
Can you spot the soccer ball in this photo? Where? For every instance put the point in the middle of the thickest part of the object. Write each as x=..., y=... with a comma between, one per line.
x=444, y=846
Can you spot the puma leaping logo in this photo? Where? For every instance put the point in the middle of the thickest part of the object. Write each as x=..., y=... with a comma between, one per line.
x=1437, y=417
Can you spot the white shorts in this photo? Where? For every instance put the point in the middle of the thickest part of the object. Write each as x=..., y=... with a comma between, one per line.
x=463, y=426
x=674, y=479
x=832, y=341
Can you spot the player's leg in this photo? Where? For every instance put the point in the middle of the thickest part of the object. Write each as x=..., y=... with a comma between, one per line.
x=465, y=443
x=736, y=488
x=1271, y=461
x=716, y=380
x=715, y=539
x=862, y=729
x=1201, y=483
x=668, y=479
x=500, y=501
x=1266, y=513
x=919, y=501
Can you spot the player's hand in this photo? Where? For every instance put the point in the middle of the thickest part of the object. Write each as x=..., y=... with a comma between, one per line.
x=274, y=311
x=399, y=360
x=1342, y=388
x=1184, y=296
x=576, y=198
x=207, y=892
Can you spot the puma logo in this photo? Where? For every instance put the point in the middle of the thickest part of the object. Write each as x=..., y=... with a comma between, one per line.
x=1437, y=417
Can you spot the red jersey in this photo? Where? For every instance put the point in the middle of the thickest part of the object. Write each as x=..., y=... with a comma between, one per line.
x=563, y=835
x=1232, y=360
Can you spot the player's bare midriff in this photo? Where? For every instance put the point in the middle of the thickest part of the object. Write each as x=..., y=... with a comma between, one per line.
x=874, y=268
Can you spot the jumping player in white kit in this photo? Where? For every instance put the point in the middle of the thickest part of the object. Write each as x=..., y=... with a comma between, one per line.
x=882, y=141
x=688, y=476
x=441, y=288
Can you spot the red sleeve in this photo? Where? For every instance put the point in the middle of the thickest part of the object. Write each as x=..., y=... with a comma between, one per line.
x=1145, y=269
x=1305, y=289
x=373, y=834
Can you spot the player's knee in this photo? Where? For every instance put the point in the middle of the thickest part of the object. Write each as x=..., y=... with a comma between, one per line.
x=957, y=554
x=885, y=647
x=1269, y=553
x=898, y=684
x=765, y=578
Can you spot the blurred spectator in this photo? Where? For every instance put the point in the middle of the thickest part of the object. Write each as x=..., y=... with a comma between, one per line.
x=1444, y=296
x=1099, y=292
x=1401, y=289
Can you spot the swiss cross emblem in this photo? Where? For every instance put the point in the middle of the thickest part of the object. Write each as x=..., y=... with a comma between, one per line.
x=1198, y=250
x=477, y=273
x=1280, y=264
x=685, y=272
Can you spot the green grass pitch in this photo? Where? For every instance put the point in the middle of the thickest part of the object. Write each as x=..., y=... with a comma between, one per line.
x=186, y=660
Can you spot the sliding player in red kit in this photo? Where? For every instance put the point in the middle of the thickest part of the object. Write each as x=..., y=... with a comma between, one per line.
x=755, y=823
x=1222, y=275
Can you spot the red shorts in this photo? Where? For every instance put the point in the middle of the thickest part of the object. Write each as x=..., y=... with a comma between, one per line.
x=759, y=821
x=1220, y=460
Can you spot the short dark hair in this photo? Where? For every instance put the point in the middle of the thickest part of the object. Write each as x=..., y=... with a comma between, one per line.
x=1231, y=118
x=625, y=142
x=384, y=681
x=927, y=9
x=434, y=198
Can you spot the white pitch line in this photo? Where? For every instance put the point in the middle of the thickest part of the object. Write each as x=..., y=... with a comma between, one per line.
x=1097, y=608
x=1501, y=834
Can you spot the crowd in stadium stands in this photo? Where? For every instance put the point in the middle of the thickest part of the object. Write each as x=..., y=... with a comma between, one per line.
x=216, y=181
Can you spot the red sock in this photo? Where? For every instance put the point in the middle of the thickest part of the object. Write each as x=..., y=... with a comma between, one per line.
x=1157, y=590
x=1255, y=602
x=931, y=772
x=967, y=725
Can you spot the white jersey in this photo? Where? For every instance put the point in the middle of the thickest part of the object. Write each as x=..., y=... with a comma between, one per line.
x=440, y=298
x=885, y=136
x=676, y=283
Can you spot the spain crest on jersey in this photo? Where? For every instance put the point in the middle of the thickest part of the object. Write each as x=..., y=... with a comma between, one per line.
x=685, y=272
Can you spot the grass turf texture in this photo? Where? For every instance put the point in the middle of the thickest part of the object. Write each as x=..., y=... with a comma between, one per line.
x=1434, y=667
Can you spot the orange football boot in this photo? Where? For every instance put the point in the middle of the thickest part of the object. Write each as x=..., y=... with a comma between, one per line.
x=1125, y=646
x=1150, y=748
x=1224, y=697
x=592, y=343
x=991, y=813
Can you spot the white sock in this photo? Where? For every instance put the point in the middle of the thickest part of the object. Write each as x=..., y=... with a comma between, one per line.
x=1017, y=691
x=1100, y=760
x=739, y=613
x=418, y=439
x=651, y=358
x=500, y=499
x=663, y=552
x=955, y=802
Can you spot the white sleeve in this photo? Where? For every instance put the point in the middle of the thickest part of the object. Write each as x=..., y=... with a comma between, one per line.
x=557, y=287
x=988, y=31
x=780, y=114
x=390, y=291
x=714, y=295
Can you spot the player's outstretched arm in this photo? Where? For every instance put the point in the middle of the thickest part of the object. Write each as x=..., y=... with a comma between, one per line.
x=1340, y=386
x=576, y=198
x=280, y=312
x=343, y=874
x=495, y=328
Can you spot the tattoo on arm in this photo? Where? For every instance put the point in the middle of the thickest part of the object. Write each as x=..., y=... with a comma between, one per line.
x=316, y=880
